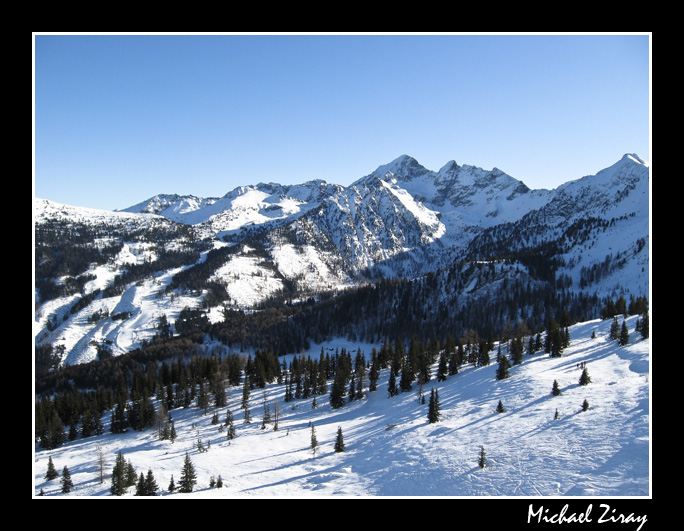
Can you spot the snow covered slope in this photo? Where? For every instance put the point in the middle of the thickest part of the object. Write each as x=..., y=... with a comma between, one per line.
x=391, y=449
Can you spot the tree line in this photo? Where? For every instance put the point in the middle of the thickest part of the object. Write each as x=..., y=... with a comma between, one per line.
x=128, y=383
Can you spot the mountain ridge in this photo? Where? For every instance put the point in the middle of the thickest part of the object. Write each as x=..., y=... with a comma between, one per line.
x=267, y=242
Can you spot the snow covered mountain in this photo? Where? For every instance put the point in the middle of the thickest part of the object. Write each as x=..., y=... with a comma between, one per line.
x=270, y=243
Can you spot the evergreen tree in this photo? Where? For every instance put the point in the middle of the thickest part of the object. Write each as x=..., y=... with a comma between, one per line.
x=555, y=390
x=359, y=387
x=172, y=431
x=374, y=373
x=119, y=422
x=219, y=392
x=442, y=369
x=119, y=480
x=585, y=405
x=52, y=435
x=502, y=370
x=337, y=391
x=434, y=407
x=555, y=339
x=151, y=487
x=288, y=389
x=482, y=459
x=245, y=392
x=584, y=378
x=624, y=335
x=352, y=388
x=230, y=432
x=131, y=476
x=614, y=329
x=500, y=407
x=456, y=357
x=51, y=470
x=188, y=478
x=406, y=377
x=339, y=442
x=172, y=485
x=314, y=440
x=202, y=396
x=67, y=483
x=140, y=486
x=392, y=384
x=517, y=351
x=644, y=326
x=73, y=431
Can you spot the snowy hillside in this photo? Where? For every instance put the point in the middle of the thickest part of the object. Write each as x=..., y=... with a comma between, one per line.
x=392, y=450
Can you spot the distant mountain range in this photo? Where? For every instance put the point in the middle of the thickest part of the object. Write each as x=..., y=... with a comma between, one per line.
x=271, y=244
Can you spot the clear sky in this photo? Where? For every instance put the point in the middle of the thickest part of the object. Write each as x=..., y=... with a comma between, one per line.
x=120, y=118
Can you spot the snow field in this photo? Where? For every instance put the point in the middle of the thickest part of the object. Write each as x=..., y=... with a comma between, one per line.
x=391, y=449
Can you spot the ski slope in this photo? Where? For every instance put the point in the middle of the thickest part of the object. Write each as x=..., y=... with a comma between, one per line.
x=391, y=449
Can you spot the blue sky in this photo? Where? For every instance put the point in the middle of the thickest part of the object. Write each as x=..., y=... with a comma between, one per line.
x=120, y=118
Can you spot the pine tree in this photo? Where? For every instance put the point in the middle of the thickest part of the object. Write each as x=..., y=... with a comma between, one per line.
x=584, y=378
x=67, y=483
x=172, y=485
x=245, y=393
x=585, y=405
x=517, y=351
x=172, y=431
x=392, y=384
x=51, y=470
x=374, y=373
x=203, y=397
x=131, y=476
x=188, y=478
x=140, y=486
x=554, y=340
x=614, y=329
x=406, y=377
x=624, y=335
x=500, y=407
x=314, y=441
x=337, y=391
x=339, y=442
x=119, y=422
x=151, y=487
x=644, y=327
x=482, y=460
x=230, y=432
x=502, y=370
x=555, y=390
x=442, y=369
x=434, y=407
x=118, y=487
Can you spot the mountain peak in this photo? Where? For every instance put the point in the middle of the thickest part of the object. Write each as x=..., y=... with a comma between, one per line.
x=634, y=157
x=404, y=168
